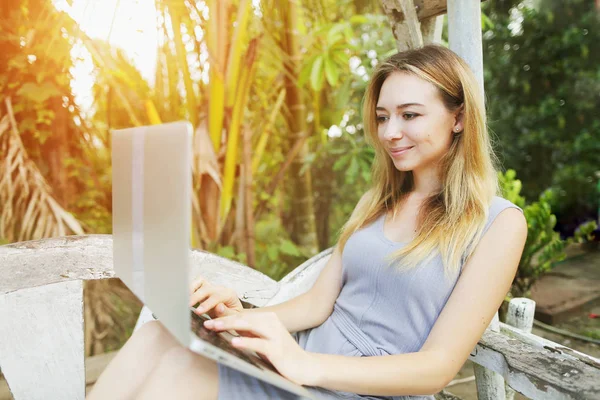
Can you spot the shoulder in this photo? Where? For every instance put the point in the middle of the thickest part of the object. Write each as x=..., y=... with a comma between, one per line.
x=505, y=228
x=504, y=212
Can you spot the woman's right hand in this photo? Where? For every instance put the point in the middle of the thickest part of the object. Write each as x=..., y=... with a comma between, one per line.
x=216, y=301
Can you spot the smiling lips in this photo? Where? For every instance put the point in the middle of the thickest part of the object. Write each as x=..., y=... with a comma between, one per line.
x=400, y=150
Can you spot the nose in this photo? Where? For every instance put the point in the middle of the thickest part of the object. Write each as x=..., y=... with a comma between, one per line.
x=393, y=130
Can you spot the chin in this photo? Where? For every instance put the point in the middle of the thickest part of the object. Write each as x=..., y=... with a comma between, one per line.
x=404, y=166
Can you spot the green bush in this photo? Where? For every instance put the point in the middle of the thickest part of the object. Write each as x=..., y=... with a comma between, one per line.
x=544, y=246
x=542, y=75
x=585, y=232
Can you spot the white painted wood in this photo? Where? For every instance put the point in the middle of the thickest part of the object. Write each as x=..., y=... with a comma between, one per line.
x=251, y=285
x=542, y=343
x=490, y=384
x=405, y=23
x=537, y=373
x=520, y=315
x=431, y=29
x=41, y=341
x=534, y=366
x=302, y=278
x=425, y=8
x=39, y=262
x=464, y=34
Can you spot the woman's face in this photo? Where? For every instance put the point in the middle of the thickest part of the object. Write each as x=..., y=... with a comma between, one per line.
x=413, y=125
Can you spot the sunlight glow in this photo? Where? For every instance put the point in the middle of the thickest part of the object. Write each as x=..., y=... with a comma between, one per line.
x=133, y=30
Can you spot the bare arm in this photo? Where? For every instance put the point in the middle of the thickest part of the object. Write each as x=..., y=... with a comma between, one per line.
x=313, y=307
x=485, y=280
x=303, y=312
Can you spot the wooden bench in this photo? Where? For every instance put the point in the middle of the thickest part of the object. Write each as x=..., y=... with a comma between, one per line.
x=42, y=323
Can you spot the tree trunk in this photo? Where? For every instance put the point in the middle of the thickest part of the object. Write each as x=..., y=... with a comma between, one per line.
x=304, y=231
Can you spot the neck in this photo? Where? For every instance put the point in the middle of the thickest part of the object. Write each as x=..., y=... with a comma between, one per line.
x=426, y=182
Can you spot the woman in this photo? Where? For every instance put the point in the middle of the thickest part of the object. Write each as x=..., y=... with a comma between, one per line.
x=418, y=273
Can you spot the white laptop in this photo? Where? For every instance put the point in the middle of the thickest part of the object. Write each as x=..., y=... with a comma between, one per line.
x=152, y=184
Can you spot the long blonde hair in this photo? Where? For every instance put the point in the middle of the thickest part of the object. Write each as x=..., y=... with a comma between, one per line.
x=450, y=222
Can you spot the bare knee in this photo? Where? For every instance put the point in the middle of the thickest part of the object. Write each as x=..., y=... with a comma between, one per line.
x=181, y=358
x=181, y=374
x=153, y=332
x=152, y=339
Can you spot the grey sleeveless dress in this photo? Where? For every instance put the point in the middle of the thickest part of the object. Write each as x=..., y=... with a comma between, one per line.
x=379, y=311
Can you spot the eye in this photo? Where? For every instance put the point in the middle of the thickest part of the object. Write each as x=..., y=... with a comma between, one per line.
x=409, y=116
x=381, y=119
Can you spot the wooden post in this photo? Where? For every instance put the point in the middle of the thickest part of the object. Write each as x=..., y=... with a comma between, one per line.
x=520, y=315
x=431, y=29
x=464, y=36
x=490, y=384
x=41, y=346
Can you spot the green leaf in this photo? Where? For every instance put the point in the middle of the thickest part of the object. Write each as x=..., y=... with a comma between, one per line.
x=289, y=248
x=331, y=72
x=335, y=34
x=227, y=252
x=38, y=93
x=352, y=172
x=358, y=19
x=339, y=164
x=316, y=74
x=272, y=253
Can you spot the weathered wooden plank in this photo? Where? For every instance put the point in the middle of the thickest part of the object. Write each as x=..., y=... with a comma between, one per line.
x=41, y=262
x=250, y=285
x=542, y=343
x=301, y=278
x=405, y=23
x=41, y=341
x=424, y=8
x=431, y=29
x=537, y=373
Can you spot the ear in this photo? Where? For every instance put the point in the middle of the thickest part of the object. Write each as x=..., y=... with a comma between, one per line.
x=459, y=119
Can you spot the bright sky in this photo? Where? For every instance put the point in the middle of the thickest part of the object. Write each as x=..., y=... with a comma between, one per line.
x=133, y=30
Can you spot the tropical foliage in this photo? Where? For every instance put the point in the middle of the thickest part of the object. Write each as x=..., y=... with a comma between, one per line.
x=542, y=72
x=544, y=247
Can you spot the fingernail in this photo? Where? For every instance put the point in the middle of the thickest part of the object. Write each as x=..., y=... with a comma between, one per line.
x=200, y=309
x=236, y=341
x=208, y=323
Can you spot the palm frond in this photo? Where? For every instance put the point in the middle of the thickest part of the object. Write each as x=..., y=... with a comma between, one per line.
x=28, y=210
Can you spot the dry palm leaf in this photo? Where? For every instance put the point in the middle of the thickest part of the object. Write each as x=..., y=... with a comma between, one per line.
x=27, y=209
x=205, y=199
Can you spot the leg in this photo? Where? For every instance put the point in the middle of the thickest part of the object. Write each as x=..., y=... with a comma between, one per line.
x=181, y=374
x=133, y=363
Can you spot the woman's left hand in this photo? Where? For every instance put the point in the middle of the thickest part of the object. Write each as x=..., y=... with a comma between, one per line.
x=263, y=333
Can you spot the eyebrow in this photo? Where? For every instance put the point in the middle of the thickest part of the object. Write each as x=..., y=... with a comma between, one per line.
x=379, y=108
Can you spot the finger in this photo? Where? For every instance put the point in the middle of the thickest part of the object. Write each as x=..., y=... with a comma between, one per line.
x=201, y=295
x=210, y=302
x=261, y=327
x=257, y=345
x=197, y=283
x=221, y=310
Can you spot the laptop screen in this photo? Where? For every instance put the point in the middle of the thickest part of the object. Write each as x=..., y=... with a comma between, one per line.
x=152, y=183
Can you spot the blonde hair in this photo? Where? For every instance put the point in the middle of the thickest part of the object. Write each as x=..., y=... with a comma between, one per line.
x=450, y=222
